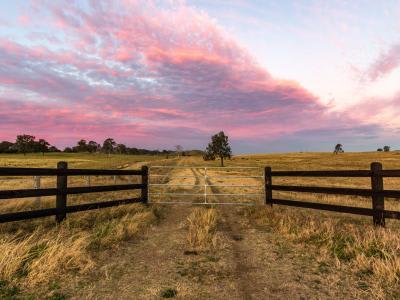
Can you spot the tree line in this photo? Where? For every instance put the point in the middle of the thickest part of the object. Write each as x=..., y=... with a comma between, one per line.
x=110, y=146
x=339, y=149
x=28, y=144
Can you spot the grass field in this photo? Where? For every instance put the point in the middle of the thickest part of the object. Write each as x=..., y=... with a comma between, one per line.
x=147, y=252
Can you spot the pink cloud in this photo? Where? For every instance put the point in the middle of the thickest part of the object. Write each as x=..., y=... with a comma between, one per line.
x=150, y=70
x=385, y=63
x=24, y=20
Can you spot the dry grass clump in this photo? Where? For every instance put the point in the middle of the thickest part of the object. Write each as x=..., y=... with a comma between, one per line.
x=121, y=229
x=36, y=256
x=372, y=254
x=202, y=225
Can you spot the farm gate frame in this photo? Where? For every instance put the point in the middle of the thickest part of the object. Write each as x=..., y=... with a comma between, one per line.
x=205, y=187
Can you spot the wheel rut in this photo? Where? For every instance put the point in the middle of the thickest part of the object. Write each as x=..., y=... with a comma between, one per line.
x=229, y=226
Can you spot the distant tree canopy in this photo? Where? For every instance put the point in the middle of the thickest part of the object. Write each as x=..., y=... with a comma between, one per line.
x=42, y=146
x=109, y=146
x=218, y=147
x=81, y=146
x=386, y=148
x=379, y=150
x=24, y=143
x=93, y=147
x=338, y=149
x=27, y=144
x=121, y=149
x=7, y=147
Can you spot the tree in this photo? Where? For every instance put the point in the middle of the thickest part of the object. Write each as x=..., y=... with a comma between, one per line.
x=386, y=148
x=53, y=149
x=379, y=150
x=24, y=143
x=93, y=147
x=6, y=147
x=42, y=146
x=338, y=149
x=68, y=150
x=81, y=146
x=109, y=145
x=121, y=149
x=218, y=147
x=178, y=150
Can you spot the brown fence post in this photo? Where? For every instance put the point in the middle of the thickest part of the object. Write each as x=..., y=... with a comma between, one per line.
x=268, y=183
x=378, y=200
x=61, y=198
x=145, y=182
x=36, y=186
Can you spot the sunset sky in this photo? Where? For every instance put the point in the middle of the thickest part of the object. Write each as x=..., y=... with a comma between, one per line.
x=274, y=75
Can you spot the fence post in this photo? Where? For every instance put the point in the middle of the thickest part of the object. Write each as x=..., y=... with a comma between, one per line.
x=61, y=198
x=268, y=183
x=378, y=200
x=205, y=185
x=145, y=182
x=36, y=186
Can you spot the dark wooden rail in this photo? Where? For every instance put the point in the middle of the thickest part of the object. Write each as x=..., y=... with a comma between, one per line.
x=62, y=191
x=377, y=192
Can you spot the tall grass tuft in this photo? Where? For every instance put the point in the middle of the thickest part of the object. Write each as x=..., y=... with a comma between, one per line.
x=202, y=224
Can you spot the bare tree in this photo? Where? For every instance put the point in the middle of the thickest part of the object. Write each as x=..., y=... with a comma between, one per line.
x=178, y=150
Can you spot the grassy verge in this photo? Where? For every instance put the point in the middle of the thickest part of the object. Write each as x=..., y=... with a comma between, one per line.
x=39, y=257
x=371, y=254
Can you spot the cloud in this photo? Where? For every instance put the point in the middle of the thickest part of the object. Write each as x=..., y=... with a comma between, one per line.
x=146, y=73
x=385, y=63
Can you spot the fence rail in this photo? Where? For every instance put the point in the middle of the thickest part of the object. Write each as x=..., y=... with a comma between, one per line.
x=62, y=190
x=64, y=172
x=377, y=191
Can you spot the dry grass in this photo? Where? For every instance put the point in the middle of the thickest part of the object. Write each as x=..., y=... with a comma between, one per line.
x=349, y=243
x=37, y=253
x=345, y=242
x=34, y=256
x=75, y=160
x=202, y=225
x=371, y=254
x=37, y=258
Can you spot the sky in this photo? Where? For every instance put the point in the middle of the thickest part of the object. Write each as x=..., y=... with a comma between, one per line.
x=275, y=76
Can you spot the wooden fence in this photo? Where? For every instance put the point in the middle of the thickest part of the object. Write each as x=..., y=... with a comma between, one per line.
x=62, y=190
x=377, y=191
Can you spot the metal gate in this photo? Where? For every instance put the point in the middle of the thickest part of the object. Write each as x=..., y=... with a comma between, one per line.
x=206, y=185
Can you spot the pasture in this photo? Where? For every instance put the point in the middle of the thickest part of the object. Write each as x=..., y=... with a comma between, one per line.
x=222, y=252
